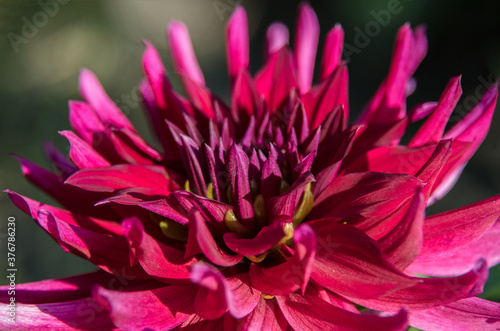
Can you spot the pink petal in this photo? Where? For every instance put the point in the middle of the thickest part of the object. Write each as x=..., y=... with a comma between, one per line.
x=85, y=122
x=32, y=207
x=465, y=314
x=332, y=52
x=403, y=244
x=201, y=240
x=277, y=37
x=119, y=177
x=291, y=275
x=81, y=314
x=267, y=238
x=432, y=292
x=182, y=52
x=277, y=79
x=350, y=263
x=244, y=99
x=160, y=261
x=433, y=128
x=400, y=70
x=421, y=110
x=245, y=297
x=287, y=202
x=306, y=44
x=265, y=316
x=63, y=289
x=237, y=44
x=448, y=232
x=324, y=98
x=59, y=161
x=82, y=154
x=240, y=186
x=93, y=93
x=52, y=185
x=312, y=313
x=158, y=309
x=464, y=257
x=368, y=200
x=109, y=252
x=211, y=301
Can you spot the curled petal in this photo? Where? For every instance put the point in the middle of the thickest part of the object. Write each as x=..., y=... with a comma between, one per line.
x=201, y=240
x=291, y=275
x=160, y=261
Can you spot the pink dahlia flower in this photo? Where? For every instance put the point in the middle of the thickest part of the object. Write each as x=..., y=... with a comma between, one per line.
x=269, y=212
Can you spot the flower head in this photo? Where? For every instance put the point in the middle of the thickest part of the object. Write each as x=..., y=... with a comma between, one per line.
x=271, y=211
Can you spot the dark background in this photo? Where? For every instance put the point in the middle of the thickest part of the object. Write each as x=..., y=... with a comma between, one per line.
x=37, y=78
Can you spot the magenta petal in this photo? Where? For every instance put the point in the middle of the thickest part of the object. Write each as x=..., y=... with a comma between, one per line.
x=59, y=161
x=32, y=207
x=119, y=177
x=306, y=44
x=332, y=53
x=160, y=261
x=403, y=244
x=82, y=154
x=63, y=289
x=265, y=316
x=201, y=240
x=244, y=98
x=449, y=232
x=109, y=252
x=240, y=186
x=237, y=43
x=344, y=249
x=286, y=203
x=211, y=301
x=197, y=323
x=368, y=200
x=244, y=296
x=52, y=184
x=327, y=96
x=421, y=110
x=182, y=52
x=463, y=259
x=218, y=294
x=93, y=92
x=433, y=128
x=312, y=313
x=157, y=309
x=291, y=275
x=85, y=122
x=432, y=292
x=399, y=72
x=277, y=37
x=81, y=314
x=267, y=238
x=465, y=314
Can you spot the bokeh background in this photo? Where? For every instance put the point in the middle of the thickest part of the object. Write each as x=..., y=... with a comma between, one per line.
x=39, y=66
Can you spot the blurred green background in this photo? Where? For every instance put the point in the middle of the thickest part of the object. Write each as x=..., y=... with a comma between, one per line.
x=39, y=68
